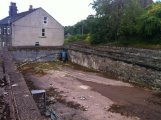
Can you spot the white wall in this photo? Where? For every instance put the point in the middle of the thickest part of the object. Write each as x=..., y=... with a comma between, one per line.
x=28, y=30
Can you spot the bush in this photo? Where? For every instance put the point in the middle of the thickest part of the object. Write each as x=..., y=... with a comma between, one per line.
x=75, y=38
x=150, y=27
x=149, y=24
x=88, y=38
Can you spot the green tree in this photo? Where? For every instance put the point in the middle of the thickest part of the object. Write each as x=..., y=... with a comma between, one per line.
x=149, y=24
x=132, y=10
x=120, y=17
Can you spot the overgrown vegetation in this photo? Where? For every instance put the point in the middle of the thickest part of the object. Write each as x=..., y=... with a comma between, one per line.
x=128, y=22
x=74, y=38
x=40, y=68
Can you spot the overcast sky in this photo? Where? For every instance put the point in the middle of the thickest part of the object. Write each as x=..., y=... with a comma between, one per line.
x=67, y=12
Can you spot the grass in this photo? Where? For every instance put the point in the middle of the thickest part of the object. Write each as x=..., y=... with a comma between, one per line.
x=75, y=38
x=138, y=43
x=155, y=44
x=40, y=68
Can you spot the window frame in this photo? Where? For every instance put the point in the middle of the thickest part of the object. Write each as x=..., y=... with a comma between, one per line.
x=5, y=30
x=37, y=44
x=8, y=30
x=43, y=32
x=45, y=20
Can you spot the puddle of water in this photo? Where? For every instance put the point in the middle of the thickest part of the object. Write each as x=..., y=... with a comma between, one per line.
x=129, y=101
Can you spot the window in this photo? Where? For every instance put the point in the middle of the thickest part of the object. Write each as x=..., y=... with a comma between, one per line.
x=8, y=30
x=45, y=20
x=5, y=30
x=3, y=44
x=37, y=44
x=43, y=32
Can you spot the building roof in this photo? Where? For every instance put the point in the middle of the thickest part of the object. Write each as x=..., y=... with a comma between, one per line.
x=11, y=19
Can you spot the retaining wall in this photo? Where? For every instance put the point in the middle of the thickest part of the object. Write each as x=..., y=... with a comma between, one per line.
x=21, y=54
x=140, y=66
x=24, y=106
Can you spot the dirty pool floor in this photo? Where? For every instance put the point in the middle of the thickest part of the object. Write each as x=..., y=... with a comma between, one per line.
x=80, y=94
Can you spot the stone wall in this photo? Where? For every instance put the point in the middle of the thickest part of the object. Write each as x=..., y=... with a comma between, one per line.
x=22, y=104
x=140, y=66
x=21, y=54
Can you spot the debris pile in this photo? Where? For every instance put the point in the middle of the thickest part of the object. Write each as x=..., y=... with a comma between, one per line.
x=4, y=109
x=39, y=68
x=4, y=106
x=3, y=82
x=56, y=96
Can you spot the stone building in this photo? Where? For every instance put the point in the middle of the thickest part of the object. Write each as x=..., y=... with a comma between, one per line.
x=30, y=28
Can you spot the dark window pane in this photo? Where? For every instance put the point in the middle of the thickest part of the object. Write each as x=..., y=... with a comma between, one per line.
x=45, y=18
x=36, y=43
x=43, y=30
x=43, y=34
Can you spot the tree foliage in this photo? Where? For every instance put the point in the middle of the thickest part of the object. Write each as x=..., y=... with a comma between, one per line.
x=149, y=23
x=116, y=20
x=120, y=17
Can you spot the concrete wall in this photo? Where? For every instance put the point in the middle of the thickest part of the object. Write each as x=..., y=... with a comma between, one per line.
x=131, y=68
x=139, y=66
x=28, y=30
x=35, y=53
x=22, y=104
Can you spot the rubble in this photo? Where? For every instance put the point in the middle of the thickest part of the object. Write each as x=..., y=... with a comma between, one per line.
x=4, y=109
x=83, y=98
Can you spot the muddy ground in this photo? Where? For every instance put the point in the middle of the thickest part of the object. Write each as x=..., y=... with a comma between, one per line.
x=76, y=93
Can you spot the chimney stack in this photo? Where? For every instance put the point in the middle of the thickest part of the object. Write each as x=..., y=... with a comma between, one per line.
x=30, y=7
x=12, y=9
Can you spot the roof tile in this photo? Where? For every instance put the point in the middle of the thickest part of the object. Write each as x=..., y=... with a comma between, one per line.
x=12, y=19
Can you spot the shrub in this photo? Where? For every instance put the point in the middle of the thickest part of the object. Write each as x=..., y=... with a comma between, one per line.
x=75, y=38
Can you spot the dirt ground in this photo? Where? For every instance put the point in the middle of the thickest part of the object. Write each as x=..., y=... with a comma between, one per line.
x=76, y=93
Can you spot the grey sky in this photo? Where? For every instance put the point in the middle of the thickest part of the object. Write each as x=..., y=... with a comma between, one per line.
x=67, y=12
